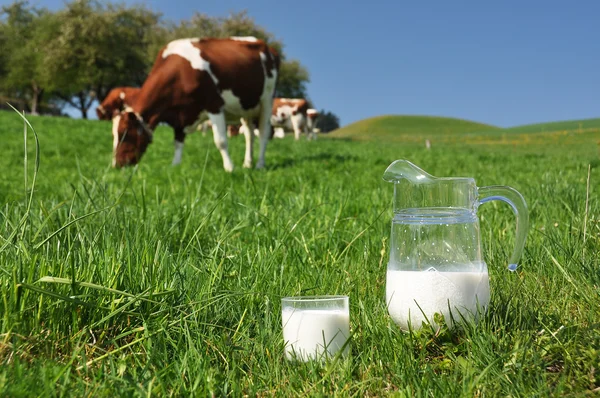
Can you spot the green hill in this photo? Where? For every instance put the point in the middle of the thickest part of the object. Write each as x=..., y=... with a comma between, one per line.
x=550, y=127
x=396, y=127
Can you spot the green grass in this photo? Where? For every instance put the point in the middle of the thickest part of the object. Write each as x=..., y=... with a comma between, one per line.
x=166, y=281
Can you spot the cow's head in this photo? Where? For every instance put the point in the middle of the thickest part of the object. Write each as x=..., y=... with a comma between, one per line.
x=281, y=114
x=131, y=137
x=112, y=105
x=103, y=113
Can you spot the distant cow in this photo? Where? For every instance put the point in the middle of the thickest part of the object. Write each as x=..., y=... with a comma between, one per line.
x=231, y=76
x=115, y=101
x=290, y=114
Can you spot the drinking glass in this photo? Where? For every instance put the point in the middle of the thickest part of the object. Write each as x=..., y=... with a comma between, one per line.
x=314, y=326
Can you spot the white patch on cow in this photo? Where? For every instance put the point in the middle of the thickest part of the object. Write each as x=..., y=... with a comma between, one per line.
x=185, y=49
x=234, y=106
x=270, y=82
x=244, y=38
x=115, y=133
x=122, y=95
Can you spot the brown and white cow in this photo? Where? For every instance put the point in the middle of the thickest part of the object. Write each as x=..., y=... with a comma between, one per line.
x=290, y=114
x=231, y=76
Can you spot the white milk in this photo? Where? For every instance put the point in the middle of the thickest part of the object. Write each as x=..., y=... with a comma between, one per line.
x=434, y=292
x=306, y=331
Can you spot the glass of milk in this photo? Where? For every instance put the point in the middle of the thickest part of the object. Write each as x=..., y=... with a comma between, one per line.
x=315, y=327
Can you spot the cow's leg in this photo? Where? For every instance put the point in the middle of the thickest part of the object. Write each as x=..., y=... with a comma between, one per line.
x=296, y=126
x=311, y=128
x=304, y=119
x=248, y=130
x=179, y=140
x=264, y=127
x=115, y=129
x=220, y=137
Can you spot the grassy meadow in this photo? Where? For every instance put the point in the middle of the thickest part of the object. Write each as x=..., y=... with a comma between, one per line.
x=167, y=281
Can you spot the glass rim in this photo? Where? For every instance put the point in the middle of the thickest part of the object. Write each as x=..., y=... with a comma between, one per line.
x=315, y=298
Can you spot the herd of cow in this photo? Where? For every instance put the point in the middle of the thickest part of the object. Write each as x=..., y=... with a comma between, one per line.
x=201, y=83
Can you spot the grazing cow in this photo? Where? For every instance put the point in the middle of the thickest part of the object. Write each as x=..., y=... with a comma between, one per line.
x=232, y=76
x=115, y=101
x=290, y=113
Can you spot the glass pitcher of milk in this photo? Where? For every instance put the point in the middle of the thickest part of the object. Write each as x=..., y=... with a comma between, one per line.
x=435, y=263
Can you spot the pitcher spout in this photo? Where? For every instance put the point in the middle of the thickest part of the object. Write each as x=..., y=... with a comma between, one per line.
x=403, y=169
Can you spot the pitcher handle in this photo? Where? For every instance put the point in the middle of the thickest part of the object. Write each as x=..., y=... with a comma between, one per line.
x=517, y=203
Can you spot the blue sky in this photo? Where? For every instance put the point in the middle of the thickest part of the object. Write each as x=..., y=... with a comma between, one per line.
x=500, y=62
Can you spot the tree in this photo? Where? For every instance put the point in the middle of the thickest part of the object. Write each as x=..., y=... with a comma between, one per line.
x=96, y=49
x=292, y=80
x=23, y=34
x=78, y=54
x=327, y=121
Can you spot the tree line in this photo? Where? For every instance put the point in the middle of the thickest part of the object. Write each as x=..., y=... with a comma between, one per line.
x=76, y=55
